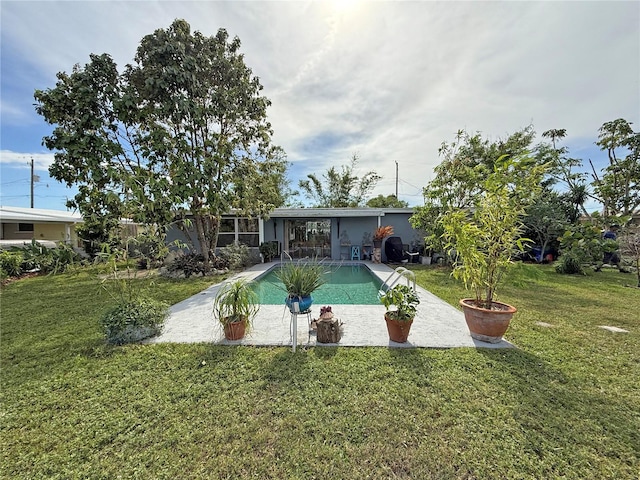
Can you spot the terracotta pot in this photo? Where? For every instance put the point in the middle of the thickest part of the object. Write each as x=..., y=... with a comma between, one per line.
x=235, y=330
x=398, y=329
x=487, y=325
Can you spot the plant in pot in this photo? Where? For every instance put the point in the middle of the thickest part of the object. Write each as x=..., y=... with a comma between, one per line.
x=379, y=235
x=235, y=307
x=269, y=250
x=300, y=280
x=482, y=243
x=399, y=319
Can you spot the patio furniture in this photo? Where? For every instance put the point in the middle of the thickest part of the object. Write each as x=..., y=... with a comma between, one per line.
x=394, y=250
x=355, y=252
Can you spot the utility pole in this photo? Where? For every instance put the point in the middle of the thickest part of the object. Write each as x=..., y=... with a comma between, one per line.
x=396, y=179
x=31, y=182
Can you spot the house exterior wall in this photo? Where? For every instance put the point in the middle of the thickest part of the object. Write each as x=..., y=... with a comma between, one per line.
x=10, y=232
x=347, y=228
x=175, y=233
x=55, y=232
x=347, y=231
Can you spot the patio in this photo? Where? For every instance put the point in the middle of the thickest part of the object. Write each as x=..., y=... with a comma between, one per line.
x=437, y=324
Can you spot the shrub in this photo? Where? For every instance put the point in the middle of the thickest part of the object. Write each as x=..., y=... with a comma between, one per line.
x=61, y=257
x=218, y=263
x=579, y=246
x=134, y=320
x=269, y=250
x=570, y=263
x=237, y=254
x=189, y=264
x=11, y=262
x=149, y=248
x=46, y=260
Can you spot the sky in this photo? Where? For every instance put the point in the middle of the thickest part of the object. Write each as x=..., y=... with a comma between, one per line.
x=388, y=81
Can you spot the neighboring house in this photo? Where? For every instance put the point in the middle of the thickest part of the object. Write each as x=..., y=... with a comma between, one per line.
x=21, y=225
x=321, y=232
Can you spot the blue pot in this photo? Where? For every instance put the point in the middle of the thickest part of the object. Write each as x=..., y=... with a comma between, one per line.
x=304, y=303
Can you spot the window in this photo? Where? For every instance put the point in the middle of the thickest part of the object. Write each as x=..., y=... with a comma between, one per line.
x=227, y=233
x=241, y=230
x=25, y=227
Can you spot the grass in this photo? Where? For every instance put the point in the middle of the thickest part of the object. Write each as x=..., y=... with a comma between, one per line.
x=565, y=404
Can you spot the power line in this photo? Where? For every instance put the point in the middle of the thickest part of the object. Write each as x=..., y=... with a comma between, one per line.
x=23, y=180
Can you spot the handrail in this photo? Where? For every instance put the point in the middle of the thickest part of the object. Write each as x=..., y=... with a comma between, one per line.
x=284, y=252
x=401, y=273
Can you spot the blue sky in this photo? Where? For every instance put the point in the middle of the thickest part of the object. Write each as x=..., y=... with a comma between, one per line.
x=389, y=81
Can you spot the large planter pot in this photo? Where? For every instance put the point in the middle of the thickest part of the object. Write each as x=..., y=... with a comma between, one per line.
x=304, y=303
x=484, y=324
x=398, y=329
x=235, y=330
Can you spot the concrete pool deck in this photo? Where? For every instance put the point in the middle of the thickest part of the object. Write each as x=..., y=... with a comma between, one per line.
x=437, y=324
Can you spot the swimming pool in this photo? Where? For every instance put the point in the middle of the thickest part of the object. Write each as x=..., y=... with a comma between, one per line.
x=346, y=285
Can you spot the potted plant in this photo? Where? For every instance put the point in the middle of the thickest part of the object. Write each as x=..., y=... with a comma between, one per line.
x=269, y=250
x=399, y=320
x=300, y=279
x=235, y=307
x=378, y=236
x=483, y=243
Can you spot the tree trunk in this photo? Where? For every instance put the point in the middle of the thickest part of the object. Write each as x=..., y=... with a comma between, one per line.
x=544, y=247
x=207, y=228
x=328, y=330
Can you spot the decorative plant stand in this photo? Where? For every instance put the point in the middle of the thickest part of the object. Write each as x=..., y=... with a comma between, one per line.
x=294, y=326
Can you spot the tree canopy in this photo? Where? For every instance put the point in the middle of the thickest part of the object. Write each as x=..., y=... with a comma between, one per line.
x=182, y=130
x=555, y=215
x=390, y=201
x=617, y=188
x=339, y=188
x=466, y=163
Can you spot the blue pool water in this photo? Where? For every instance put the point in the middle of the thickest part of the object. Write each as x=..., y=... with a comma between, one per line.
x=346, y=285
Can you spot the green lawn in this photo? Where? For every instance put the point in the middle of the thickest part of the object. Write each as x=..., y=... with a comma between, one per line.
x=566, y=404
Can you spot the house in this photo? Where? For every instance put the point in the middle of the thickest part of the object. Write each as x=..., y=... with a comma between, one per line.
x=321, y=232
x=331, y=232
x=22, y=225
x=19, y=226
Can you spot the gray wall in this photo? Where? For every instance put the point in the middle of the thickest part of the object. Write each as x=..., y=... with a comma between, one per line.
x=352, y=228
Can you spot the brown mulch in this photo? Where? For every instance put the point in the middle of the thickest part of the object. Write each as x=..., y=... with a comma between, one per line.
x=10, y=280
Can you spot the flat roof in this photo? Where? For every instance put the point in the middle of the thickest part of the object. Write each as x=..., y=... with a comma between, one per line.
x=335, y=212
x=37, y=215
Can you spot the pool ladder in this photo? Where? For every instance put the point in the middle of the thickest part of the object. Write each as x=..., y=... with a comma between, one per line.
x=397, y=275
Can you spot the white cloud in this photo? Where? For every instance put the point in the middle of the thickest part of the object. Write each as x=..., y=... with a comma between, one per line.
x=41, y=161
x=390, y=80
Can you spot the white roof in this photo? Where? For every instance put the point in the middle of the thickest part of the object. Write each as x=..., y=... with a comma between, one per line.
x=335, y=212
x=37, y=215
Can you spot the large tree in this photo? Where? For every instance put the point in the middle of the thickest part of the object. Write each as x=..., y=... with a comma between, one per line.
x=617, y=186
x=546, y=219
x=390, y=201
x=182, y=130
x=339, y=188
x=466, y=163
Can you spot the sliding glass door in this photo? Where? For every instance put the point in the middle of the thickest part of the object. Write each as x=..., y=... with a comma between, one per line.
x=309, y=238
